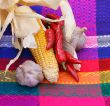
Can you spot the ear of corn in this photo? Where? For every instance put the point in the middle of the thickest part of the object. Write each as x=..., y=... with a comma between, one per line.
x=45, y=58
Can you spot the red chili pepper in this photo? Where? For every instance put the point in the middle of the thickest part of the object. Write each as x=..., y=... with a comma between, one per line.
x=50, y=38
x=73, y=72
x=71, y=59
x=52, y=16
x=60, y=53
x=61, y=23
x=60, y=56
x=53, y=26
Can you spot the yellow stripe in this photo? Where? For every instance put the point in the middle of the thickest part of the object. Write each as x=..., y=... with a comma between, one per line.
x=66, y=78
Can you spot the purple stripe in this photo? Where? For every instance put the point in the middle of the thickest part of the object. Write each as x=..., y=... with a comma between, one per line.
x=12, y=100
x=46, y=10
x=103, y=17
x=85, y=14
x=88, y=54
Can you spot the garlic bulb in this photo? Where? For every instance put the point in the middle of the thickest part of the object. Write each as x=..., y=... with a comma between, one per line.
x=78, y=38
x=29, y=74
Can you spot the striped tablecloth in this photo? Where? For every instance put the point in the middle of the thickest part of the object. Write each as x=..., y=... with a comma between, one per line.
x=93, y=88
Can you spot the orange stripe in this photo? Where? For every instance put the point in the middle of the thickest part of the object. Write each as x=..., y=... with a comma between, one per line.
x=84, y=77
x=66, y=78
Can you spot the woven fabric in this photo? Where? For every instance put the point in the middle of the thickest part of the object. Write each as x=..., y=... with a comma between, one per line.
x=93, y=89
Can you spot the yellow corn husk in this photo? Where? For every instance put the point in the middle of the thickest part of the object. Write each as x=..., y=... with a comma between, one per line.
x=46, y=58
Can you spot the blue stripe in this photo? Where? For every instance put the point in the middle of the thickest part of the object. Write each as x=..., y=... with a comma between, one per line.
x=103, y=17
x=8, y=30
x=84, y=54
x=7, y=88
x=11, y=53
x=104, y=52
x=37, y=9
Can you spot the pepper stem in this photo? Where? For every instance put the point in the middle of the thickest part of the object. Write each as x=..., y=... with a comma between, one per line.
x=64, y=67
x=48, y=27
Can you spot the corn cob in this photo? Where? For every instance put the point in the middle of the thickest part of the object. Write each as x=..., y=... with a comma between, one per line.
x=45, y=58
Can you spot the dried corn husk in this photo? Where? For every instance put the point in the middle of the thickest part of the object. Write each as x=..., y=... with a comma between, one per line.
x=24, y=26
x=70, y=23
x=5, y=4
x=49, y=3
x=0, y=20
x=3, y=15
x=36, y=15
x=24, y=23
x=12, y=61
x=15, y=41
x=29, y=43
x=8, y=20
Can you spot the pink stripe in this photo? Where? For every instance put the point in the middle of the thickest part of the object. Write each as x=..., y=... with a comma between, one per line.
x=91, y=42
x=71, y=101
x=9, y=100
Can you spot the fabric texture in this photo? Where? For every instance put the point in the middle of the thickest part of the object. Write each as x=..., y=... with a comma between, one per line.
x=93, y=89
